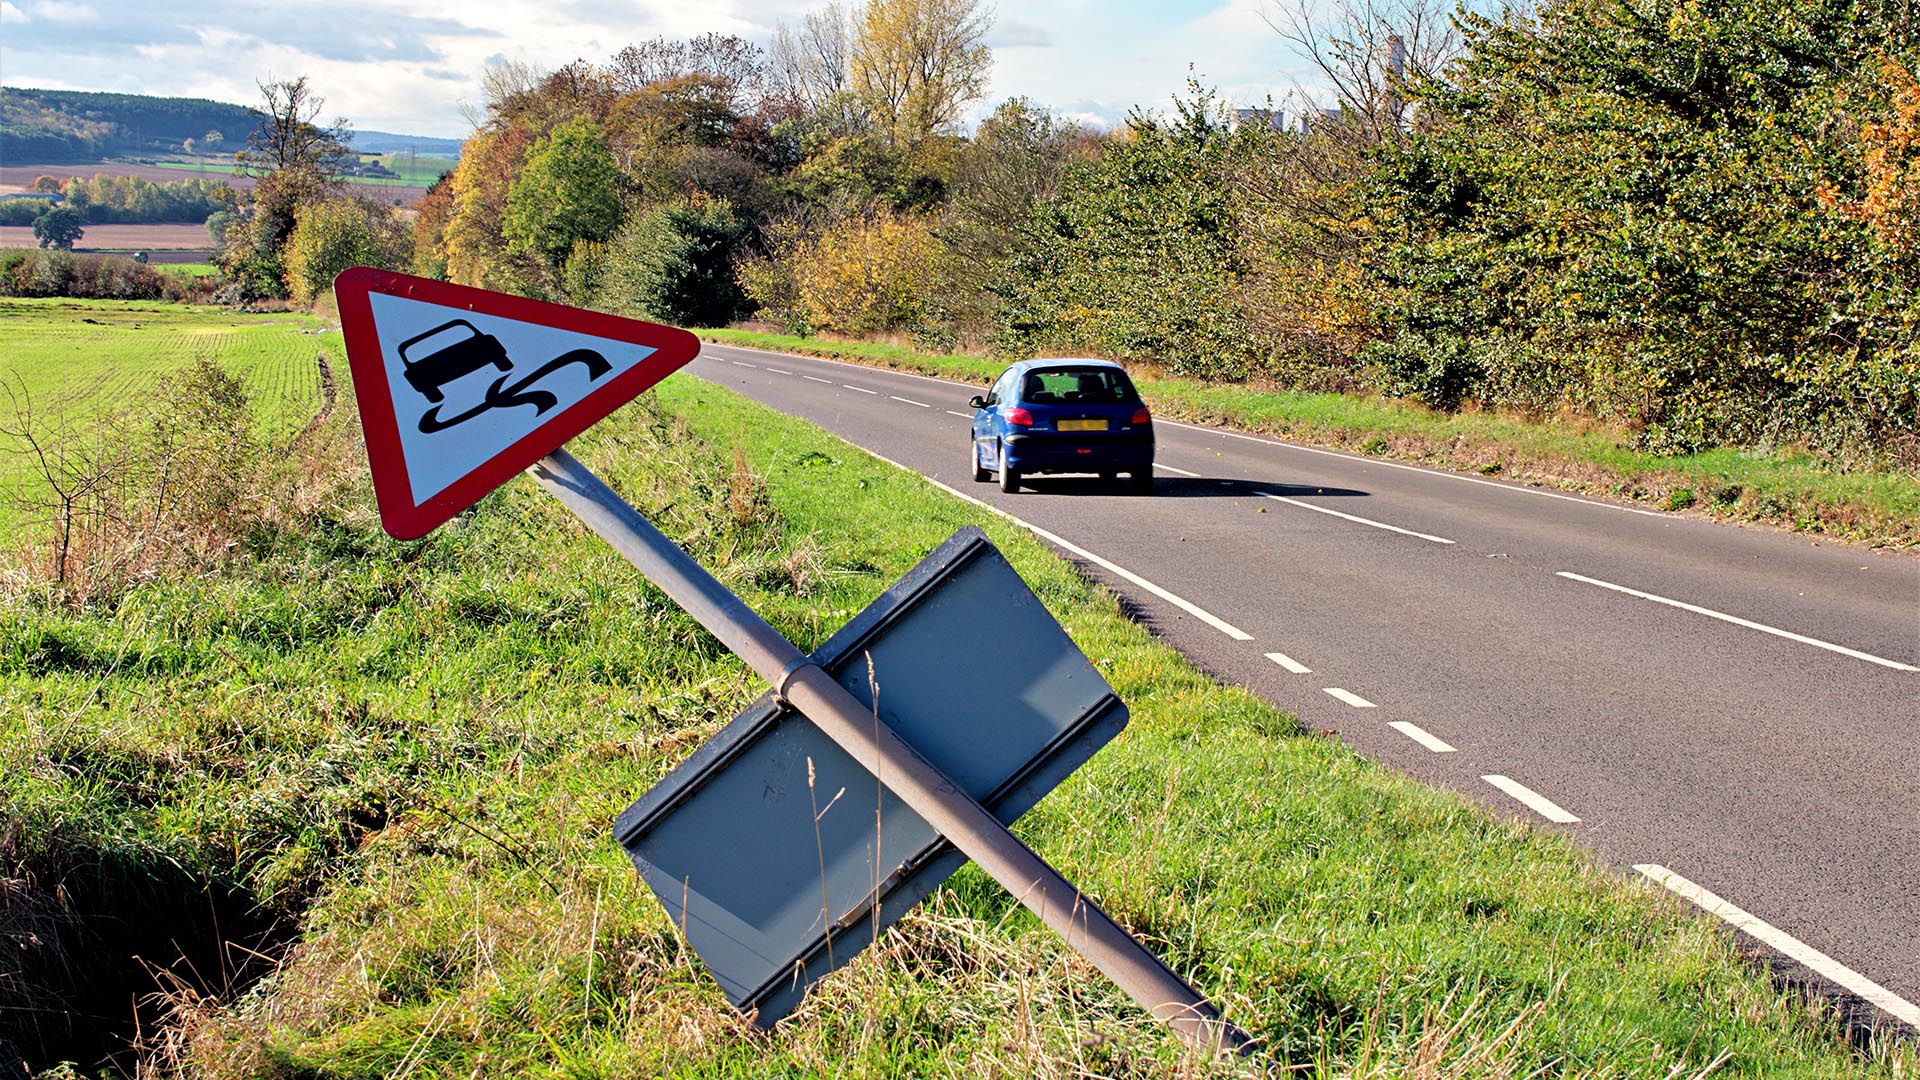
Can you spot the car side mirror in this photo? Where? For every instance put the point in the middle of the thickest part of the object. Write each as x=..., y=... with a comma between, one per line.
x=977, y=402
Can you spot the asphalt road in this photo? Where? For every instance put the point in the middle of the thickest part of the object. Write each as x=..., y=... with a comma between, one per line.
x=1761, y=743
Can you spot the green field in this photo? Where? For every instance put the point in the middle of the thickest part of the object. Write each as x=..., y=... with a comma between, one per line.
x=394, y=766
x=88, y=358
x=418, y=172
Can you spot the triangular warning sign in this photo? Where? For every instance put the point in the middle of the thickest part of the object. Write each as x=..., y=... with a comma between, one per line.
x=461, y=388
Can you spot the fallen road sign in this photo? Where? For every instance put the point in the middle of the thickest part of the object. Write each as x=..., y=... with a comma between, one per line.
x=461, y=388
x=866, y=735
x=761, y=845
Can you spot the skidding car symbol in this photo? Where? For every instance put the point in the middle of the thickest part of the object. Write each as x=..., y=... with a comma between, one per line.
x=459, y=357
x=462, y=356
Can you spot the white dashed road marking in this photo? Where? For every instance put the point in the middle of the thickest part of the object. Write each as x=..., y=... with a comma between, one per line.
x=742, y=363
x=1349, y=697
x=910, y=401
x=779, y=371
x=1748, y=623
x=818, y=379
x=862, y=389
x=1422, y=736
x=1773, y=937
x=1351, y=517
x=1289, y=663
x=961, y=415
x=1535, y=801
x=1171, y=469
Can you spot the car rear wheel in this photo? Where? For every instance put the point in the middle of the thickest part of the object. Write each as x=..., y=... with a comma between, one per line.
x=1009, y=476
x=980, y=475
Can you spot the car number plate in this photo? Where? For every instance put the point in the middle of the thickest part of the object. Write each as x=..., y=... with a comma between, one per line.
x=1083, y=425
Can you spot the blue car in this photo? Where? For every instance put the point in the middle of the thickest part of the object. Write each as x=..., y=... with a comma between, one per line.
x=1062, y=416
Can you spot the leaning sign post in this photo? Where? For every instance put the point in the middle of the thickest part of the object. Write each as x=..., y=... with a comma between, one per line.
x=460, y=388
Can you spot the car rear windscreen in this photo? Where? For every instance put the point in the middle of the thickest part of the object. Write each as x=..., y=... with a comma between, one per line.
x=1077, y=386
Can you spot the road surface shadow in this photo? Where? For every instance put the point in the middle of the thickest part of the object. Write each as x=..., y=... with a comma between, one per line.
x=1178, y=487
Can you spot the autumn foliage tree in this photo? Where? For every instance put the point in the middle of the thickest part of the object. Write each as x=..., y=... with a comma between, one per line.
x=567, y=192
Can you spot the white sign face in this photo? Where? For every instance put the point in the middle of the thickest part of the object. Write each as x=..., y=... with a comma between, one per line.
x=457, y=405
x=461, y=388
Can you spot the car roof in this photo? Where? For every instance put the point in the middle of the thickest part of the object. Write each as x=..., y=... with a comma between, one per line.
x=1063, y=361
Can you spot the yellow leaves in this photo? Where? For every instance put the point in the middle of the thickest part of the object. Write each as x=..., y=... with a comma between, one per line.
x=1890, y=164
x=864, y=274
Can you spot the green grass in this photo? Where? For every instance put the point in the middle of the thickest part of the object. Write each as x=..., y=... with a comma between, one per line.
x=191, y=270
x=80, y=360
x=415, y=752
x=1786, y=487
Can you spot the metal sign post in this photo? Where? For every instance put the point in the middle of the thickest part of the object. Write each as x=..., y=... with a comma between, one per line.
x=797, y=679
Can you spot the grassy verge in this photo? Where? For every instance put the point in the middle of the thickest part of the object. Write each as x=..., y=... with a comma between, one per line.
x=1786, y=488
x=410, y=756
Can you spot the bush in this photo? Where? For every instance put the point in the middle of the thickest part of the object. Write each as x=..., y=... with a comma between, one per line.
x=89, y=277
x=674, y=263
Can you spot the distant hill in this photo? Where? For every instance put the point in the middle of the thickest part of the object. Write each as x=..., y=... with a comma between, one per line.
x=75, y=125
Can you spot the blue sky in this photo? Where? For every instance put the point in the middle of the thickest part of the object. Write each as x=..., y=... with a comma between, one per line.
x=406, y=65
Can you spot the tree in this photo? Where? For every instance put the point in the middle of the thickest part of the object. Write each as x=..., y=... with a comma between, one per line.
x=59, y=227
x=569, y=191
x=331, y=236
x=923, y=61
x=288, y=139
x=810, y=62
x=1014, y=163
x=46, y=185
x=1618, y=207
x=1139, y=256
x=674, y=264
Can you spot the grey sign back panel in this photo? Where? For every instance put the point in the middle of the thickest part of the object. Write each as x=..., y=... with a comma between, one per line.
x=972, y=671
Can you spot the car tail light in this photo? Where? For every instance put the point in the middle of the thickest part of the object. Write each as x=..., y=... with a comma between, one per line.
x=1019, y=418
x=1142, y=416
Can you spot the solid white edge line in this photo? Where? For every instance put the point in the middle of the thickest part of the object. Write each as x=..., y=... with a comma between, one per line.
x=1416, y=468
x=1171, y=469
x=1738, y=621
x=862, y=389
x=1534, y=801
x=1784, y=943
x=1422, y=736
x=1289, y=663
x=1057, y=540
x=1350, y=517
x=1349, y=697
x=910, y=401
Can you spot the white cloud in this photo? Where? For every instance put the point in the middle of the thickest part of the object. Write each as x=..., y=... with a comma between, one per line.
x=406, y=65
x=55, y=12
